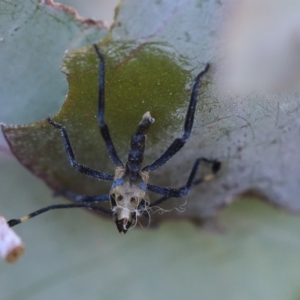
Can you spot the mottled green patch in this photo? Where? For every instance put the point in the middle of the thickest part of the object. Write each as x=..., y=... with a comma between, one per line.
x=138, y=79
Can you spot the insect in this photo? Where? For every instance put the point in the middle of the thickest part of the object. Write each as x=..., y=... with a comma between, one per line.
x=129, y=193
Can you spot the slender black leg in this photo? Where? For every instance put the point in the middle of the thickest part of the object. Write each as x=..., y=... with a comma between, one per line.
x=83, y=198
x=70, y=154
x=101, y=105
x=215, y=168
x=14, y=222
x=169, y=193
x=188, y=125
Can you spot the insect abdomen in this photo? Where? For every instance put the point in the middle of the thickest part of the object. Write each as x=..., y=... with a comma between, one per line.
x=137, y=147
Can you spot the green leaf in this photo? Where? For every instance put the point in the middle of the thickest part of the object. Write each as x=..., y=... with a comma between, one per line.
x=155, y=73
x=74, y=255
x=131, y=90
x=34, y=38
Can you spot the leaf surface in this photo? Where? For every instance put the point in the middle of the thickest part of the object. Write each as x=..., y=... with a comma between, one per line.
x=155, y=74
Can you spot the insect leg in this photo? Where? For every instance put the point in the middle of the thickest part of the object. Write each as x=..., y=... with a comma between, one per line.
x=101, y=105
x=71, y=157
x=14, y=222
x=188, y=125
x=83, y=198
x=183, y=191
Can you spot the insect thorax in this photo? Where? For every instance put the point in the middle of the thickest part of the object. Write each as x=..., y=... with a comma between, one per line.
x=128, y=199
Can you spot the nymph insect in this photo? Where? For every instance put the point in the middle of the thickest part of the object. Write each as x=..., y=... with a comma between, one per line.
x=128, y=195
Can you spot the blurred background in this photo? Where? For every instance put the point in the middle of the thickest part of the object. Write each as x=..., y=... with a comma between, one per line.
x=94, y=9
x=252, y=252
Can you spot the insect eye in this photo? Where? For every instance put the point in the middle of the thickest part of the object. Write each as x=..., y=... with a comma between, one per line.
x=119, y=198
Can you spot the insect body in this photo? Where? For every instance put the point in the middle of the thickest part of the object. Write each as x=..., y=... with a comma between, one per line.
x=129, y=188
x=129, y=193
